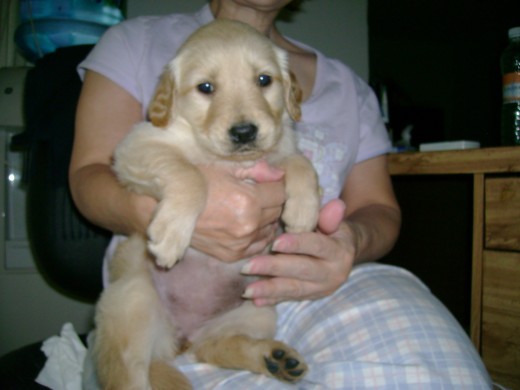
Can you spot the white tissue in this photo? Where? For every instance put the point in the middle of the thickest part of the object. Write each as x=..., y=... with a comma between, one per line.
x=65, y=356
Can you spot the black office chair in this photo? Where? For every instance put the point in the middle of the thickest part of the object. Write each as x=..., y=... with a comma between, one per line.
x=67, y=249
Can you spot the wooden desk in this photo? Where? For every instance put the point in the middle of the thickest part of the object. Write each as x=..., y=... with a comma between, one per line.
x=495, y=285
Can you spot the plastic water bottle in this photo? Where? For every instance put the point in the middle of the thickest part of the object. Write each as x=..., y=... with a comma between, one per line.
x=510, y=66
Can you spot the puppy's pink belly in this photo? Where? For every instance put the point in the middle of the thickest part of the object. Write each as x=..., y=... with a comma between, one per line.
x=197, y=289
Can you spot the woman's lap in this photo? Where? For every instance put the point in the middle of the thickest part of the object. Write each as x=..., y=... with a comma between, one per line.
x=382, y=329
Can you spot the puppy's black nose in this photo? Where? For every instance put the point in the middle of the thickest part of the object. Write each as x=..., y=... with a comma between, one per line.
x=243, y=133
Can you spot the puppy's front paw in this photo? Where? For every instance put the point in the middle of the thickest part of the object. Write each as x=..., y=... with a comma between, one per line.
x=300, y=214
x=169, y=236
x=285, y=364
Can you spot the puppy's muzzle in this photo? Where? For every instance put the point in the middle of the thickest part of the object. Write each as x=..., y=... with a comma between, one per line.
x=243, y=133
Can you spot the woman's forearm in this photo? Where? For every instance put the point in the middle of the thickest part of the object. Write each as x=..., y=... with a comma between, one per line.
x=102, y=200
x=374, y=229
x=372, y=214
x=106, y=112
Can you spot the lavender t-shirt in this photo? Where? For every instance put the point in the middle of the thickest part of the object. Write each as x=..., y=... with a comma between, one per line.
x=340, y=125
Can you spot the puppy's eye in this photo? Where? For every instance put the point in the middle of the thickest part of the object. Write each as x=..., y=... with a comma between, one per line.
x=206, y=88
x=264, y=80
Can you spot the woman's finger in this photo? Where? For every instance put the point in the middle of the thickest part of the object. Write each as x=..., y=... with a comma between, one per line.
x=261, y=172
x=331, y=216
x=271, y=291
x=286, y=266
x=310, y=244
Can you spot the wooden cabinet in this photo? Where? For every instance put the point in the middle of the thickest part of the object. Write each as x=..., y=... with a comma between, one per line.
x=500, y=330
x=502, y=213
x=495, y=291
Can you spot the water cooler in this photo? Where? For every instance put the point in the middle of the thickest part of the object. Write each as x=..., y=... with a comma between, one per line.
x=47, y=25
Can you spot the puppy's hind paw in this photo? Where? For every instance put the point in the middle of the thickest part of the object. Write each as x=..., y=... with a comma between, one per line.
x=285, y=364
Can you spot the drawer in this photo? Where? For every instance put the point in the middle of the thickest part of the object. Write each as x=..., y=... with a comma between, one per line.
x=500, y=343
x=502, y=213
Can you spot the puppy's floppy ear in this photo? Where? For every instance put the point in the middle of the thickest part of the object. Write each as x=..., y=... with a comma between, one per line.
x=160, y=109
x=293, y=96
x=293, y=93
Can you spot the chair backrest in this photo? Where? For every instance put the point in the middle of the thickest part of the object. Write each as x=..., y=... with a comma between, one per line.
x=67, y=249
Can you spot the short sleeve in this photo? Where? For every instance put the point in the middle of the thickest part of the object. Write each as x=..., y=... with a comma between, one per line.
x=374, y=140
x=117, y=53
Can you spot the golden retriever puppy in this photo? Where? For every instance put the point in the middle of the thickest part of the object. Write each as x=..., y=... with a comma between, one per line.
x=226, y=99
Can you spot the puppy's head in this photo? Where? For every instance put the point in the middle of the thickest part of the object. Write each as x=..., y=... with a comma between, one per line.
x=232, y=88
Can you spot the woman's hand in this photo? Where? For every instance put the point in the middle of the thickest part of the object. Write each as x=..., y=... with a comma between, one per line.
x=362, y=226
x=306, y=265
x=242, y=212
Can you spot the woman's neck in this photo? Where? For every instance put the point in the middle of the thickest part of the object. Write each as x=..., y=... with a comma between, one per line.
x=262, y=21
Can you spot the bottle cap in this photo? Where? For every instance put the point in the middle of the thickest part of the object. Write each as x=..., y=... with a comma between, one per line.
x=514, y=32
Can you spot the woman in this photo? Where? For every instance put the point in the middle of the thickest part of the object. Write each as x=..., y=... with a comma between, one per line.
x=355, y=326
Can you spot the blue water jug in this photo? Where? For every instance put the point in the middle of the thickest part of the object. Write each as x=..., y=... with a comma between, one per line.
x=49, y=24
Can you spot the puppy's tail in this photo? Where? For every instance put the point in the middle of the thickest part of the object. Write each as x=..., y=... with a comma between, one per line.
x=165, y=377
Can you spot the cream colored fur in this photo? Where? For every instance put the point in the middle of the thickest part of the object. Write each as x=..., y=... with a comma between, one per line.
x=136, y=335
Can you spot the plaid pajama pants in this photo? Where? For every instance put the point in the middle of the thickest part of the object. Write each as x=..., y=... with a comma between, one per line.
x=382, y=329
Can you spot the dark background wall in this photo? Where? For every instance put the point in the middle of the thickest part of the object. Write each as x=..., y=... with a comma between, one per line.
x=436, y=237
x=440, y=62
